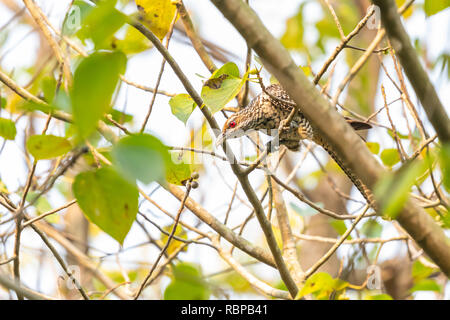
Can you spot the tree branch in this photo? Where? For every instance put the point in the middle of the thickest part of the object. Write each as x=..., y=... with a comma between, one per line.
x=19, y=289
x=243, y=179
x=416, y=74
x=254, y=282
x=238, y=241
x=289, y=245
x=331, y=125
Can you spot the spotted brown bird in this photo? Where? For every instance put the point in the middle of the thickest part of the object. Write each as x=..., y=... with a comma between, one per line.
x=268, y=109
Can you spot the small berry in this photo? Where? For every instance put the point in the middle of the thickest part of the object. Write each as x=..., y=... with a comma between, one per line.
x=195, y=175
x=194, y=184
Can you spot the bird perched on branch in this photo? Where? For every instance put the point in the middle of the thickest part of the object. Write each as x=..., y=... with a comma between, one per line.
x=266, y=112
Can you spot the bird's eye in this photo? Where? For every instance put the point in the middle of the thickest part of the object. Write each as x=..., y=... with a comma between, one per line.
x=232, y=124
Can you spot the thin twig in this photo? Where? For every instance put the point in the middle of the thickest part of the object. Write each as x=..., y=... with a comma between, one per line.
x=42, y=216
x=195, y=40
x=302, y=198
x=307, y=237
x=172, y=233
x=7, y=260
x=254, y=282
x=145, y=88
x=361, y=61
x=342, y=45
x=37, y=15
x=161, y=71
x=335, y=246
x=336, y=20
x=394, y=130
x=21, y=289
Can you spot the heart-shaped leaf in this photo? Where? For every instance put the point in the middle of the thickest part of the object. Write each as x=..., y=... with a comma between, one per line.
x=222, y=87
x=108, y=200
x=182, y=106
x=374, y=147
x=95, y=80
x=47, y=146
x=178, y=169
x=142, y=157
x=7, y=129
x=157, y=15
x=390, y=157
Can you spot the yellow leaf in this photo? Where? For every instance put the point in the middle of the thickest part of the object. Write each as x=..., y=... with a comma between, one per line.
x=408, y=12
x=13, y=102
x=174, y=244
x=157, y=15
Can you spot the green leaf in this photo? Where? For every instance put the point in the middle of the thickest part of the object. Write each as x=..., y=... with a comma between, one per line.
x=434, y=6
x=187, y=284
x=446, y=219
x=108, y=200
x=390, y=157
x=235, y=281
x=48, y=86
x=382, y=296
x=321, y=285
x=142, y=157
x=133, y=42
x=95, y=80
x=182, y=106
x=372, y=229
x=340, y=227
x=7, y=129
x=78, y=12
x=101, y=23
x=426, y=285
x=229, y=68
x=202, y=139
x=3, y=102
x=3, y=187
x=374, y=147
x=420, y=272
x=116, y=276
x=47, y=146
x=62, y=101
x=31, y=106
x=178, y=169
x=393, y=189
x=293, y=35
x=120, y=117
x=444, y=61
x=42, y=205
x=415, y=135
x=444, y=160
x=327, y=27
x=222, y=87
x=92, y=161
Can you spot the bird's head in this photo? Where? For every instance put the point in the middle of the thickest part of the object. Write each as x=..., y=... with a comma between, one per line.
x=235, y=127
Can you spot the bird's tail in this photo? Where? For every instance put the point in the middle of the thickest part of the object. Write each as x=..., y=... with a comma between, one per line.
x=367, y=194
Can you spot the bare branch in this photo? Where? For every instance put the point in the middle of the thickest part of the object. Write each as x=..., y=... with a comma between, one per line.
x=331, y=126
x=22, y=290
x=413, y=68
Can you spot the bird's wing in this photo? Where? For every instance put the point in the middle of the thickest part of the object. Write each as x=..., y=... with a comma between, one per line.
x=277, y=91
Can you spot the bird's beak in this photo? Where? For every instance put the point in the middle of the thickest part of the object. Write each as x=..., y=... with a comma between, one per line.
x=220, y=139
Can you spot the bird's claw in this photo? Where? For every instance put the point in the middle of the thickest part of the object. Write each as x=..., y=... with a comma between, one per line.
x=287, y=127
